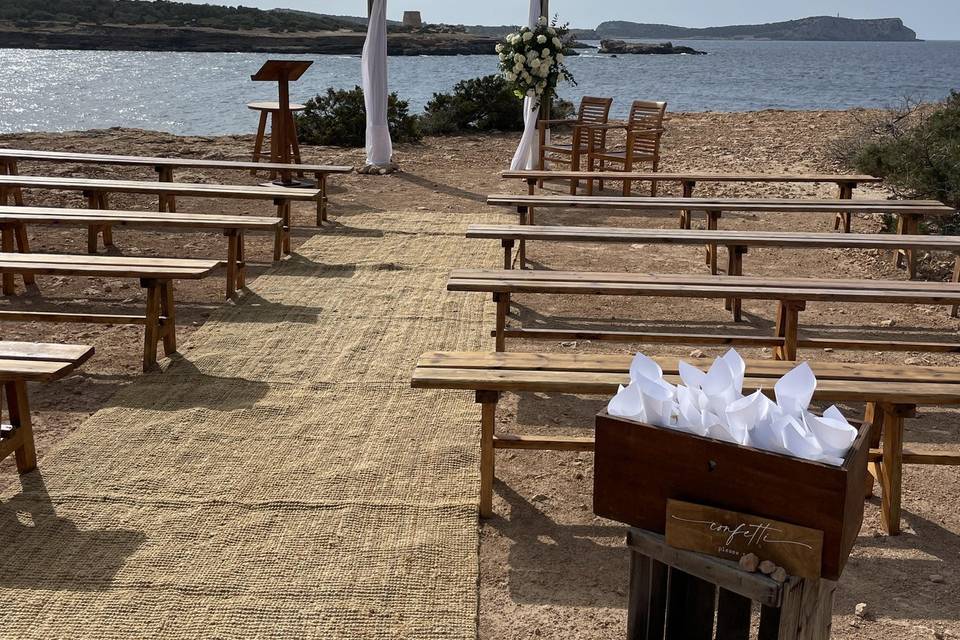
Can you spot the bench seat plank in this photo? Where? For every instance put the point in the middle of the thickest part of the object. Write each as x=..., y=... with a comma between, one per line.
x=159, y=188
x=53, y=215
x=702, y=236
x=802, y=289
x=161, y=268
x=693, y=176
x=193, y=163
x=759, y=205
x=44, y=351
x=617, y=363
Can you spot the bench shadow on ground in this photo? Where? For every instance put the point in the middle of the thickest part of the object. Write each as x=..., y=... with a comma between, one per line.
x=43, y=550
x=544, y=554
x=299, y=265
x=433, y=185
x=193, y=389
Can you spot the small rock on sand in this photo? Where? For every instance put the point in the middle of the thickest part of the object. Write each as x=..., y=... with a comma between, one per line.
x=767, y=567
x=860, y=610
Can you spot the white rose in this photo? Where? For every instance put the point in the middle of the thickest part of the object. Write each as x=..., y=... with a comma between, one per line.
x=557, y=43
x=519, y=57
x=518, y=68
x=510, y=76
x=545, y=53
x=531, y=93
x=551, y=31
x=542, y=20
x=535, y=64
x=498, y=48
x=526, y=76
x=541, y=39
x=503, y=57
x=528, y=36
x=560, y=58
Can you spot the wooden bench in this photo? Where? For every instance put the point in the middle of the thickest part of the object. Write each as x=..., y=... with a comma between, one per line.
x=20, y=363
x=156, y=275
x=737, y=243
x=13, y=221
x=688, y=181
x=165, y=167
x=909, y=211
x=892, y=393
x=791, y=294
x=97, y=192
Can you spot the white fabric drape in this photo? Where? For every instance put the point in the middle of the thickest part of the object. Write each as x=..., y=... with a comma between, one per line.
x=374, y=71
x=526, y=154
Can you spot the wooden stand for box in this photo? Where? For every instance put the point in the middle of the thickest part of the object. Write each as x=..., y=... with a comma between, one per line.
x=674, y=593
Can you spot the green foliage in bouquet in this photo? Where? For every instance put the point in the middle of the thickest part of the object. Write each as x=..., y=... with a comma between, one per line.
x=532, y=60
x=339, y=119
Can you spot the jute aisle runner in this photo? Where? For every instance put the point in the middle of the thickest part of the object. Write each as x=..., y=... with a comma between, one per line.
x=281, y=480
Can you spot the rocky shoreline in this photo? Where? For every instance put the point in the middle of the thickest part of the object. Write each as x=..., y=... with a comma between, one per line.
x=165, y=38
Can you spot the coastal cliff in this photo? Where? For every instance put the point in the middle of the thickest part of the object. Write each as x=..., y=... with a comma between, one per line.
x=813, y=28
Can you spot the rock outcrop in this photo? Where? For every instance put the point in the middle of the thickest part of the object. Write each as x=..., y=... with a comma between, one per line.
x=814, y=28
x=619, y=46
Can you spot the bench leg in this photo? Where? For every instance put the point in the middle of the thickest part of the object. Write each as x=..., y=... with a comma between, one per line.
x=844, y=218
x=241, y=262
x=735, y=268
x=23, y=246
x=787, y=327
x=104, y=204
x=231, y=261
x=488, y=418
x=294, y=142
x=258, y=143
x=502, y=301
x=873, y=413
x=647, y=600
x=507, y=245
x=908, y=225
x=685, y=214
x=6, y=243
x=956, y=278
x=151, y=332
x=168, y=320
x=524, y=214
x=167, y=202
x=283, y=212
x=713, y=223
x=322, y=202
x=21, y=440
x=11, y=167
x=890, y=466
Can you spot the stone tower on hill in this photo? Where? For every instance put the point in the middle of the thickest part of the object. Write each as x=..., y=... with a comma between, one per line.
x=412, y=19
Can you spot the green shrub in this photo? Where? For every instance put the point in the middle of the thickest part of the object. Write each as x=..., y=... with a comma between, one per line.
x=480, y=104
x=339, y=118
x=925, y=159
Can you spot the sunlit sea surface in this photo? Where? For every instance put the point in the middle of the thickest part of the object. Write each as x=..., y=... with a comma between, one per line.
x=206, y=93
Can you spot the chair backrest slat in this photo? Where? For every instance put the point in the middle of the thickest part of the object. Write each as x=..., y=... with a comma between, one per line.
x=646, y=119
x=595, y=110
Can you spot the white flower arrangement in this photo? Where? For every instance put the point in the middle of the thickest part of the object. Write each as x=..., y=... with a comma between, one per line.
x=532, y=60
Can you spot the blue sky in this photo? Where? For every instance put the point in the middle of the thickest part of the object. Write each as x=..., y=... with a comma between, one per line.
x=932, y=19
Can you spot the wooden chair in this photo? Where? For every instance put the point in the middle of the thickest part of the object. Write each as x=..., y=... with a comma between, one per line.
x=592, y=111
x=644, y=131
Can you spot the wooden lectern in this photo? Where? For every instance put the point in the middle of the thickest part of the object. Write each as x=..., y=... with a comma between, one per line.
x=283, y=72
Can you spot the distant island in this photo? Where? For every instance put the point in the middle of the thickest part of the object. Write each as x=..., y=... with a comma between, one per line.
x=143, y=25
x=814, y=28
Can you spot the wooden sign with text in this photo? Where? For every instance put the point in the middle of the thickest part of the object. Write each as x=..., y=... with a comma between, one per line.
x=730, y=535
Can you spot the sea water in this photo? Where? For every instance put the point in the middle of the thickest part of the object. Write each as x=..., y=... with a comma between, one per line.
x=206, y=93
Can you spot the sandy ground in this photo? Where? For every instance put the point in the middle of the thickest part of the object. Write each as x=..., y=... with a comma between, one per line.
x=549, y=567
